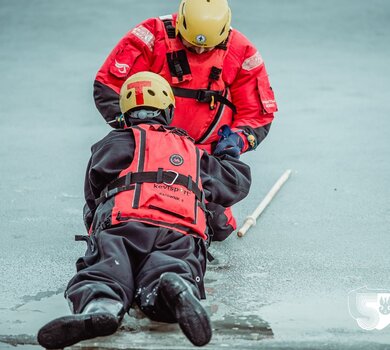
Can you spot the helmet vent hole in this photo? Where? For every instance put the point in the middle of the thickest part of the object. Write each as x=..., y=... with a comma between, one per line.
x=165, y=93
x=151, y=92
x=184, y=23
x=129, y=94
x=223, y=29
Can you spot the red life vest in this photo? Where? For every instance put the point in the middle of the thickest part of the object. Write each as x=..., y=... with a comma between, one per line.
x=162, y=184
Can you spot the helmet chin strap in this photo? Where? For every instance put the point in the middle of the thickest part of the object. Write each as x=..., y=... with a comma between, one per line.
x=144, y=114
x=169, y=114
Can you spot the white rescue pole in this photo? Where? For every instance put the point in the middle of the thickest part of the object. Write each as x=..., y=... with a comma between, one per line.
x=251, y=219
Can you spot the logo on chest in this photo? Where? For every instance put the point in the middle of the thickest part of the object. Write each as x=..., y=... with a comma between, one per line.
x=176, y=159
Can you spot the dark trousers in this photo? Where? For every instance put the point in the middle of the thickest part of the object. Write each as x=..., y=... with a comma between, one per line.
x=125, y=262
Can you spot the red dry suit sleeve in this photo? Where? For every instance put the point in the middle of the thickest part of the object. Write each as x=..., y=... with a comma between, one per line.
x=251, y=93
x=132, y=54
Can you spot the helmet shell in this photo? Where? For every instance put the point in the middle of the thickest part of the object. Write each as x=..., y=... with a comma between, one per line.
x=148, y=90
x=204, y=23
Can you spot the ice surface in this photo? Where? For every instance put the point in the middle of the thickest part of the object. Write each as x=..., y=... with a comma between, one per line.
x=325, y=234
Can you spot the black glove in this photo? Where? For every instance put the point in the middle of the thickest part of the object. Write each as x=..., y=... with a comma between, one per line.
x=229, y=143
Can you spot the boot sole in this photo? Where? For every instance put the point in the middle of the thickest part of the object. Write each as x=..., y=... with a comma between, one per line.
x=190, y=314
x=69, y=330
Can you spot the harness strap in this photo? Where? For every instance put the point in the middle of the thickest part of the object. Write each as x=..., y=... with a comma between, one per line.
x=204, y=95
x=170, y=29
x=168, y=177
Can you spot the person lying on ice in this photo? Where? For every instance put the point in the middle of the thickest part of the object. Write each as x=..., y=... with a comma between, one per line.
x=145, y=188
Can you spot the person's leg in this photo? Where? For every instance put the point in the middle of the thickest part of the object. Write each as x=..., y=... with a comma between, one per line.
x=170, y=283
x=105, y=273
x=172, y=252
x=99, y=294
x=101, y=317
x=178, y=297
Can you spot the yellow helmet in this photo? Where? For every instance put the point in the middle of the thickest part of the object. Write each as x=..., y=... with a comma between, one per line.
x=204, y=23
x=146, y=89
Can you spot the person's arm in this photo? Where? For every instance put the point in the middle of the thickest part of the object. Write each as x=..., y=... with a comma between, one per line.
x=109, y=157
x=225, y=180
x=252, y=95
x=132, y=54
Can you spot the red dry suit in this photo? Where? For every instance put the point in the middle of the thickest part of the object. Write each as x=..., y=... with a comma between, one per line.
x=228, y=85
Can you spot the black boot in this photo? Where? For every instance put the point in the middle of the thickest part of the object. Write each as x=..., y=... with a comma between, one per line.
x=100, y=317
x=187, y=309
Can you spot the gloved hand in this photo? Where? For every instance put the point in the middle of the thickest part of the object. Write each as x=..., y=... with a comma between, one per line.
x=229, y=143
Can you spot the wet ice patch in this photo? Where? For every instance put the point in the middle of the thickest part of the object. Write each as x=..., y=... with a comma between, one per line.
x=67, y=196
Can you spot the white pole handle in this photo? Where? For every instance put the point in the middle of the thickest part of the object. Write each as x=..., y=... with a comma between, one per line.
x=251, y=219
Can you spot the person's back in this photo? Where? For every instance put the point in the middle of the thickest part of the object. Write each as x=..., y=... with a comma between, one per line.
x=162, y=182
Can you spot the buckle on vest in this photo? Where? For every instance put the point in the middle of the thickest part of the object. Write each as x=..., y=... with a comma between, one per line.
x=204, y=95
x=112, y=192
x=174, y=180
